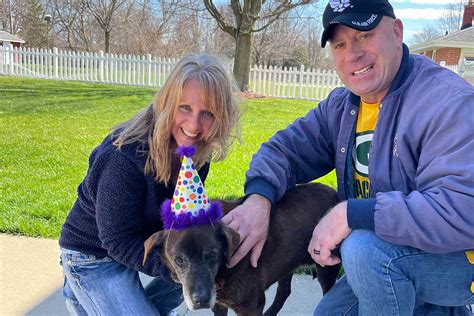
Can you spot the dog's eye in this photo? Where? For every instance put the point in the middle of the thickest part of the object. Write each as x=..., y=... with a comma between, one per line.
x=179, y=261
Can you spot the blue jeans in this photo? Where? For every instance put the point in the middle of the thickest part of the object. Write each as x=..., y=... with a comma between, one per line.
x=102, y=286
x=385, y=279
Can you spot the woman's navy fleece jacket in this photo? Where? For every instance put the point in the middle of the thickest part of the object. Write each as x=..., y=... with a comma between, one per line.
x=118, y=208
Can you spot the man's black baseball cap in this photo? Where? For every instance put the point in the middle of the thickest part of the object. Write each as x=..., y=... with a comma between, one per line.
x=362, y=15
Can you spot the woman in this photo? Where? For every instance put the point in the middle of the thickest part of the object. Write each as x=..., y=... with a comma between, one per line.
x=130, y=174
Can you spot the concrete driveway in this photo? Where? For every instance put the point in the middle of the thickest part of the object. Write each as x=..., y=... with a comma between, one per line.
x=31, y=281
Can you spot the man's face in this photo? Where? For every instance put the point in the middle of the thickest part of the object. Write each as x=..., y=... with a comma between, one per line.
x=367, y=62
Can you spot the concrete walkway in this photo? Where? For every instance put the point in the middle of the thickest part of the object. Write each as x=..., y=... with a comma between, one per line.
x=31, y=281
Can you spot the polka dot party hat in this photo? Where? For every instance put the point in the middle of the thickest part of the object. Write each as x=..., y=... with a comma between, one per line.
x=190, y=205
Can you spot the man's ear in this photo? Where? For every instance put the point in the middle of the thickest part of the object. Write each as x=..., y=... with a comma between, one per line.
x=232, y=238
x=157, y=240
x=398, y=31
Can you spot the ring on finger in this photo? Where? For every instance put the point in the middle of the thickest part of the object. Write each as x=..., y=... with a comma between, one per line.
x=316, y=252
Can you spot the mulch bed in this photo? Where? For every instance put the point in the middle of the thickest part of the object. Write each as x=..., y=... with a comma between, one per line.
x=251, y=95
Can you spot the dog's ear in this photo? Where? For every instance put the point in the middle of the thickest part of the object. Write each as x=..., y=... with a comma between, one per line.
x=232, y=238
x=155, y=240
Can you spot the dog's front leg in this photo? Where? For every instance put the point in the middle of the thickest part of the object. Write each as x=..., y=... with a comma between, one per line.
x=254, y=305
x=249, y=311
x=219, y=310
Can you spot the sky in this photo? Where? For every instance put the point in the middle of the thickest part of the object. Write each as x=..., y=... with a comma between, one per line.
x=415, y=14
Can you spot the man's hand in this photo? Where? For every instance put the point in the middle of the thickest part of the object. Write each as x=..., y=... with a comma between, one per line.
x=250, y=220
x=328, y=234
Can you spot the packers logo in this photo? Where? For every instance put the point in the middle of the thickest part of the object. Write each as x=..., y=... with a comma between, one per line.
x=360, y=155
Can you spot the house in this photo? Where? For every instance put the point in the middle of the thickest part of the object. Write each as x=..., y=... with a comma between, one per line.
x=7, y=42
x=455, y=49
x=6, y=38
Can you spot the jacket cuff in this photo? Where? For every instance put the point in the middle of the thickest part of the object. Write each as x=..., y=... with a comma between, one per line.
x=360, y=213
x=261, y=187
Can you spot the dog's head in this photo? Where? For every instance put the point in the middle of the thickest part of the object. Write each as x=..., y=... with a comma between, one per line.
x=193, y=256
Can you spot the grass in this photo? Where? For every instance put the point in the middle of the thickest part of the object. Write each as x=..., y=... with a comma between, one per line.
x=48, y=129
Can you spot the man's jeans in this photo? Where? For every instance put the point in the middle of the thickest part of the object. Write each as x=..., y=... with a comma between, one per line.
x=103, y=286
x=386, y=279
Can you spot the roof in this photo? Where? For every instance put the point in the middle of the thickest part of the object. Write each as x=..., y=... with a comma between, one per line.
x=458, y=39
x=7, y=37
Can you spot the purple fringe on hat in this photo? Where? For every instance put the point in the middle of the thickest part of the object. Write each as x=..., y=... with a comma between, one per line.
x=186, y=151
x=187, y=219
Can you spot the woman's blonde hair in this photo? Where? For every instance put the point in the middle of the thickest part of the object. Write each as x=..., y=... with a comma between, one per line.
x=153, y=125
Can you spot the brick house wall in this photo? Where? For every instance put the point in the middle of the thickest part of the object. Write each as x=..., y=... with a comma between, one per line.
x=450, y=55
x=429, y=54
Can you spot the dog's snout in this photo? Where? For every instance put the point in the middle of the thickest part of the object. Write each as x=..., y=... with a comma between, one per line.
x=201, y=298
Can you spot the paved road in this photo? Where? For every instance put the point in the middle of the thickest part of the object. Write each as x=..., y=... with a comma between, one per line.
x=31, y=280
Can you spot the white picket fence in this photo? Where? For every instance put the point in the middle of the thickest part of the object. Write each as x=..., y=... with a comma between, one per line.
x=152, y=72
x=85, y=66
x=453, y=68
x=294, y=83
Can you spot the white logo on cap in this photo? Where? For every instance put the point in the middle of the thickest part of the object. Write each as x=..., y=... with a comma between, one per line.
x=339, y=5
x=366, y=23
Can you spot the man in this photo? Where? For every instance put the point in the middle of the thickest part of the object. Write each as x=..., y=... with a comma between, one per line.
x=401, y=138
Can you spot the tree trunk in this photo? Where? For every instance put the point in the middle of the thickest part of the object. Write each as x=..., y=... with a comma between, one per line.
x=107, y=41
x=242, y=60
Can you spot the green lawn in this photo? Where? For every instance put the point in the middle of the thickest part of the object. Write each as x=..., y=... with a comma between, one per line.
x=48, y=129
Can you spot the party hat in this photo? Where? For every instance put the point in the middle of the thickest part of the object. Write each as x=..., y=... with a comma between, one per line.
x=190, y=205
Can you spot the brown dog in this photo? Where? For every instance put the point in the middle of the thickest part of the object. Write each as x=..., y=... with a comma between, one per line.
x=196, y=256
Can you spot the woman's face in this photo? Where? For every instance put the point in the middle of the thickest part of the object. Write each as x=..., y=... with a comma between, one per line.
x=192, y=118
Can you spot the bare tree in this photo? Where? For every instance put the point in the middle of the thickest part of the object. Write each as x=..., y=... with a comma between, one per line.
x=429, y=32
x=5, y=15
x=452, y=16
x=31, y=25
x=154, y=27
x=249, y=16
x=313, y=48
x=184, y=32
x=449, y=21
x=135, y=27
x=70, y=19
x=275, y=43
x=213, y=38
x=171, y=28
x=12, y=15
x=103, y=12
